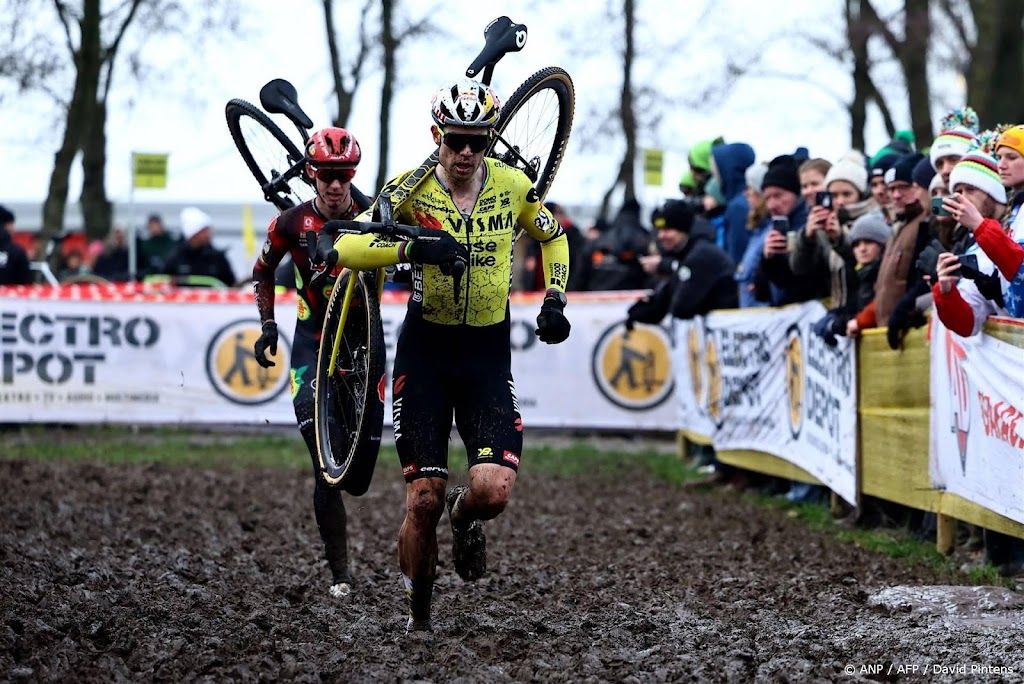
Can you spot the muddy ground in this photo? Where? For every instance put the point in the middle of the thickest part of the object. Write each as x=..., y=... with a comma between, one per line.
x=166, y=573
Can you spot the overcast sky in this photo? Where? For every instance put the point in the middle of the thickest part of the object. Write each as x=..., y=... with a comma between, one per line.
x=684, y=50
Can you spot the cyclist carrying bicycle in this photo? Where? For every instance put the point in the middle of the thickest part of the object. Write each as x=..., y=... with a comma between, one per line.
x=453, y=356
x=332, y=155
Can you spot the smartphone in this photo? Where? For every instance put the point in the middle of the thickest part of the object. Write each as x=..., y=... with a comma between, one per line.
x=937, y=208
x=969, y=266
x=780, y=223
x=823, y=199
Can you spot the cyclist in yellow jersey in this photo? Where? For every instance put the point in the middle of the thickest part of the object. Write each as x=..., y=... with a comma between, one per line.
x=453, y=357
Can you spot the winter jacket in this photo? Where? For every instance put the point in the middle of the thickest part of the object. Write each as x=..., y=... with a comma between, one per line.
x=702, y=282
x=14, y=266
x=732, y=161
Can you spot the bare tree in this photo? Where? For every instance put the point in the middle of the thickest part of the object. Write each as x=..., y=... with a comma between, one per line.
x=989, y=43
x=347, y=77
x=93, y=39
x=911, y=53
x=626, y=176
x=397, y=31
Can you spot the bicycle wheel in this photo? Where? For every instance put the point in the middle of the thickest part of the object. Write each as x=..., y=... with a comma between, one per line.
x=349, y=403
x=268, y=153
x=534, y=126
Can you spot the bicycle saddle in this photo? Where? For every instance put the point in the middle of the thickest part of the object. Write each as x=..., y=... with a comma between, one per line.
x=279, y=97
x=500, y=37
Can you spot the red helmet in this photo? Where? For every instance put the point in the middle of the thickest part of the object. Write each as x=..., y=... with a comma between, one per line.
x=333, y=147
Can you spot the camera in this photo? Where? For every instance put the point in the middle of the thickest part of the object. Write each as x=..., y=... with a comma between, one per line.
x=823, y=199
x=937, y=207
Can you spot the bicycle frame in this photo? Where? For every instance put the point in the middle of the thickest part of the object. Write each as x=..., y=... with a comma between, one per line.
x=501, y=36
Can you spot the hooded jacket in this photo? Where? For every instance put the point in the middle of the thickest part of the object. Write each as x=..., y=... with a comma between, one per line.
x=732, y=161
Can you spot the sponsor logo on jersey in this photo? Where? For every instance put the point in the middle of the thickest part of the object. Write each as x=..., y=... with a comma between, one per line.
x=484, y=452
x=409, y=469
x=232, y=369
x=633, y=370
x=511, y=457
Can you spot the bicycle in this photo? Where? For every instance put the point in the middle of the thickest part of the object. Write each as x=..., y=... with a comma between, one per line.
x=531, y=135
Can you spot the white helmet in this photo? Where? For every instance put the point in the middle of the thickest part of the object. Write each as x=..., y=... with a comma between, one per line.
x=466, y=103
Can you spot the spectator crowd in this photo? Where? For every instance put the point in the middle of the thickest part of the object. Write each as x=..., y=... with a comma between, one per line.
x=188, y=259
x=880, y=239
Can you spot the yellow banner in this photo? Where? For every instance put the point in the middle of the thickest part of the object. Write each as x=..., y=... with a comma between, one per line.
x=149, y=170
x=653, y=159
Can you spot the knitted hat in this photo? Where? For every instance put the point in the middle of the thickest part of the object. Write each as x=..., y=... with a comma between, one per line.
x=674, y=214
x=6, y=216
x=903, y=169
x=194, y=220
x=687, y=181
x=700, y=154
x=979, y=170
x=871, y=226
x=849, y=168
x=959, y=128
x=882, y=164
x=923, y=173
x=714, y=189
x=754, y=176
x=902, y=143
x=1013, y=138
x=782, y=173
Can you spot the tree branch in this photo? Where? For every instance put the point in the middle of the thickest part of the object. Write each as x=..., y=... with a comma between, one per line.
x=110, y=52
x=869, y=15
x=364, y=43
x=958, y=23
x=62, y=14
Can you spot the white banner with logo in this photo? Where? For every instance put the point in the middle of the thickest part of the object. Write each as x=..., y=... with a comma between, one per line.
x=976, y=448
x=688, y=359
x=761, y=380
x=128, y=361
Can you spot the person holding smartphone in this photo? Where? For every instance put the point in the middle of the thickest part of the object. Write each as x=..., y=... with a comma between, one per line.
x=823, y=249
x=911, y=234
x=963, y=303
x=774, y=280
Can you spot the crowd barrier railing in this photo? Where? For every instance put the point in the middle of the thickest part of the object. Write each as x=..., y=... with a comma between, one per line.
x=894, y=413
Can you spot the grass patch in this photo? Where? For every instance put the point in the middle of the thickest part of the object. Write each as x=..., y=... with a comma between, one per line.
x=584, y=459
x=170, y=446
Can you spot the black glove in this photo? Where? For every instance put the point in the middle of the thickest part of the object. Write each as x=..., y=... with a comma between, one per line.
x=643, y=311
x=267, y=340
x=441, y=250
x=824, y=327
x=904, y=317
x=552, y=325
x=325, y=252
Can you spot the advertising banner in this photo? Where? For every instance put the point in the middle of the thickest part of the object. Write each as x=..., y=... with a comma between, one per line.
x=976, y=449
x=761, y=380
x=135, y=357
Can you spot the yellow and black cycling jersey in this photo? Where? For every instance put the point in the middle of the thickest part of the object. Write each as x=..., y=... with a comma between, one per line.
x=506, y=200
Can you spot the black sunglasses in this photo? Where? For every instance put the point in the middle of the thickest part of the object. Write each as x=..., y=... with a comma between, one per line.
x=458, y=141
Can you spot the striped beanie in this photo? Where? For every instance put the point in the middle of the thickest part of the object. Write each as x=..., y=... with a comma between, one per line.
x=979, y=170
x=959, y=130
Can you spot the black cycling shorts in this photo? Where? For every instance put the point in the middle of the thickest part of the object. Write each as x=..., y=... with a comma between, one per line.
x=460, y=371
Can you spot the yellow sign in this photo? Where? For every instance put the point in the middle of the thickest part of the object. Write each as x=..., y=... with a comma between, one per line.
x=653, y=159
x=634, y=369
x=795, y=380
x=232, y=368
x=149, y=170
